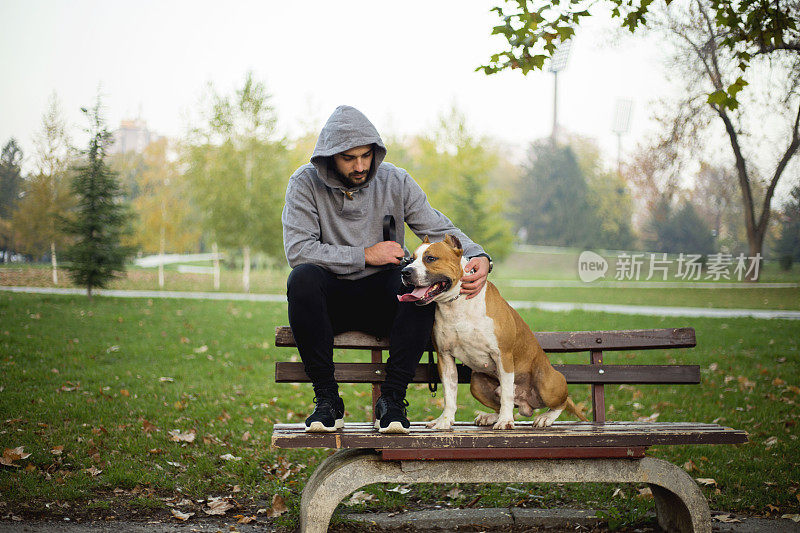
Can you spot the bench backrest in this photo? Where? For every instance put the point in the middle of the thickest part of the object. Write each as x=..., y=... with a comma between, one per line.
x=596, y=373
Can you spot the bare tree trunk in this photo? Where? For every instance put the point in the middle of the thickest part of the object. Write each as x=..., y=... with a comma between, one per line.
x=215, y=251
x=246, y=269
x=54, y=262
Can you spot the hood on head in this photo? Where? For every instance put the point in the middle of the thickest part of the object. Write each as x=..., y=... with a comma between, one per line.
x=346, y=128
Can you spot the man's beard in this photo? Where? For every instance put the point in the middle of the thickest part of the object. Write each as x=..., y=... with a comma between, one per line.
x=349, y=179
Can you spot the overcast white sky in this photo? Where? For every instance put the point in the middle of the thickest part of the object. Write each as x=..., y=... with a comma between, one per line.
x=401, y=63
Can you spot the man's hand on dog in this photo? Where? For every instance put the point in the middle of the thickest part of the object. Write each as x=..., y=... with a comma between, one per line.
x=473, y=282
x=384, y=253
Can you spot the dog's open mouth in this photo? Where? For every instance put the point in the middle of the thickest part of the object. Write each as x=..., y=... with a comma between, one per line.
x=423, y=295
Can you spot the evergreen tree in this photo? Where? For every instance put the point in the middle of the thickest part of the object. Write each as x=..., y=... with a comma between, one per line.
x=100, y=220
x=788, y=247
x=680, y=230
x=552, y=201
x=10, y=184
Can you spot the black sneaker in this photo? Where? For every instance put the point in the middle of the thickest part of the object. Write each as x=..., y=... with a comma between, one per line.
x=328, y=415
x=390, y=414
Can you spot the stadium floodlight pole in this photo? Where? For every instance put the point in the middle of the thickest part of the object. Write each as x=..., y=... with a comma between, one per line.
x=621, y=125
x=558, y=62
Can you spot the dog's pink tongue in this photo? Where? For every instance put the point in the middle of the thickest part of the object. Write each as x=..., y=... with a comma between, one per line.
x=413, y=296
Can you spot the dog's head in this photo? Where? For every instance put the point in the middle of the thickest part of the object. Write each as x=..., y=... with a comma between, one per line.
x=435, y=272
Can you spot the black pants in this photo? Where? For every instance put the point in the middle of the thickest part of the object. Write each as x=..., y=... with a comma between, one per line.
x=322, y=305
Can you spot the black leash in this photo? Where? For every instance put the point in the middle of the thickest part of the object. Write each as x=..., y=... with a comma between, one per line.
x=390, y=234
x=389, y=228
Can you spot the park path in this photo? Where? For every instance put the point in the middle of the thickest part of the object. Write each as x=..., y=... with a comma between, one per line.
x=646, y=310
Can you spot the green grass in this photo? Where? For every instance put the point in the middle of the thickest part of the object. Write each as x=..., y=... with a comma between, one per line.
x=751, y=298
x=88, y=377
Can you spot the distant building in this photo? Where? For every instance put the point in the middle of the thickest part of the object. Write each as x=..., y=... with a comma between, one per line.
x=132, y=136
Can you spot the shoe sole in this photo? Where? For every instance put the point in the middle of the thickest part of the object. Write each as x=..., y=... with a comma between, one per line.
x=319, y=427
x=393, y=427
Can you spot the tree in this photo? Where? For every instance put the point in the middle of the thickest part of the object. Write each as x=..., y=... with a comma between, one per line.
x=702, y=61
x=715, y=196
x=678, y=230
x=788, y=246
x=100, y=220
x=747, y=30
x=608, y=197
x=238, y=170
x=552, y=203
x=460, y=174
x=10, y=185
x=47, y=199
x=165, y=218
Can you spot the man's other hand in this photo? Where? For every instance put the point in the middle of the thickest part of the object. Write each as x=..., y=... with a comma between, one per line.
x=472, y=283
x=384, y=253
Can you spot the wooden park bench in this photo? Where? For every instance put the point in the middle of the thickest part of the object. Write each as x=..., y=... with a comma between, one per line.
x=600, y=451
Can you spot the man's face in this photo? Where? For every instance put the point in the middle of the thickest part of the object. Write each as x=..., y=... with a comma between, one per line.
x=353, y=165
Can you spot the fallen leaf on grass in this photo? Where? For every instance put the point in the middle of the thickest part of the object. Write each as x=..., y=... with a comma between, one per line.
x=70, y=387
x=57, y=450
x=201, y=349
x=218, y=506
x=13, y=454
x=618, y=492
x=181, y=516
x=230, y=457
x=177, y=436
x=360, y=497
x=163, y=379
x=278, y=506
x=689, y=465
x=770, y=442
x=645, y=493
x=148, y=427
x=124, y=392
x=93, y=471
x=726, y=518
x=650, y=419
x=707, y=481
x=400, y=490
x=454, y=493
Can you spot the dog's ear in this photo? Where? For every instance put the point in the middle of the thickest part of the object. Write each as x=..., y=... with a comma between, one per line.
x=453, y=242
x=426, y=240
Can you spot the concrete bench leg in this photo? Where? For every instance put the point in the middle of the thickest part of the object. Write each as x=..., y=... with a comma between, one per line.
x=680, y=504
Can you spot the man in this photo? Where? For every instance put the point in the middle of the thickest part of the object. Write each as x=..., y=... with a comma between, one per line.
x=345, y=276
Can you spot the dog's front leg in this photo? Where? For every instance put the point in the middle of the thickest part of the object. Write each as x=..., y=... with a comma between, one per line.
x=505, y=418
x=449, y=377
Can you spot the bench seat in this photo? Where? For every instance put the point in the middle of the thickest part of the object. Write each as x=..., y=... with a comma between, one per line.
x=524, y=435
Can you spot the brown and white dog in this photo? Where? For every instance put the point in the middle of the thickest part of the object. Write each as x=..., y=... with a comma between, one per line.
x=509, y=367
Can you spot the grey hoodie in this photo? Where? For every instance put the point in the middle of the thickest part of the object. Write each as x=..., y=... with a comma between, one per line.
x=324, y=226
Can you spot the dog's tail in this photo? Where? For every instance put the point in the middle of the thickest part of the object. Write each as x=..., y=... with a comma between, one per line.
x=575, y=410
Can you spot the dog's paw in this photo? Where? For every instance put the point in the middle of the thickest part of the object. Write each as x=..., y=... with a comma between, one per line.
x=485, y=419
x=443, y=422
x=546, y=419
x=504, y=424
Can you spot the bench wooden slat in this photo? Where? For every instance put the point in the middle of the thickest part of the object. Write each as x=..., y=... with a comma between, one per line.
x=467, y=435
x=554, y=341
x=292, y=372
